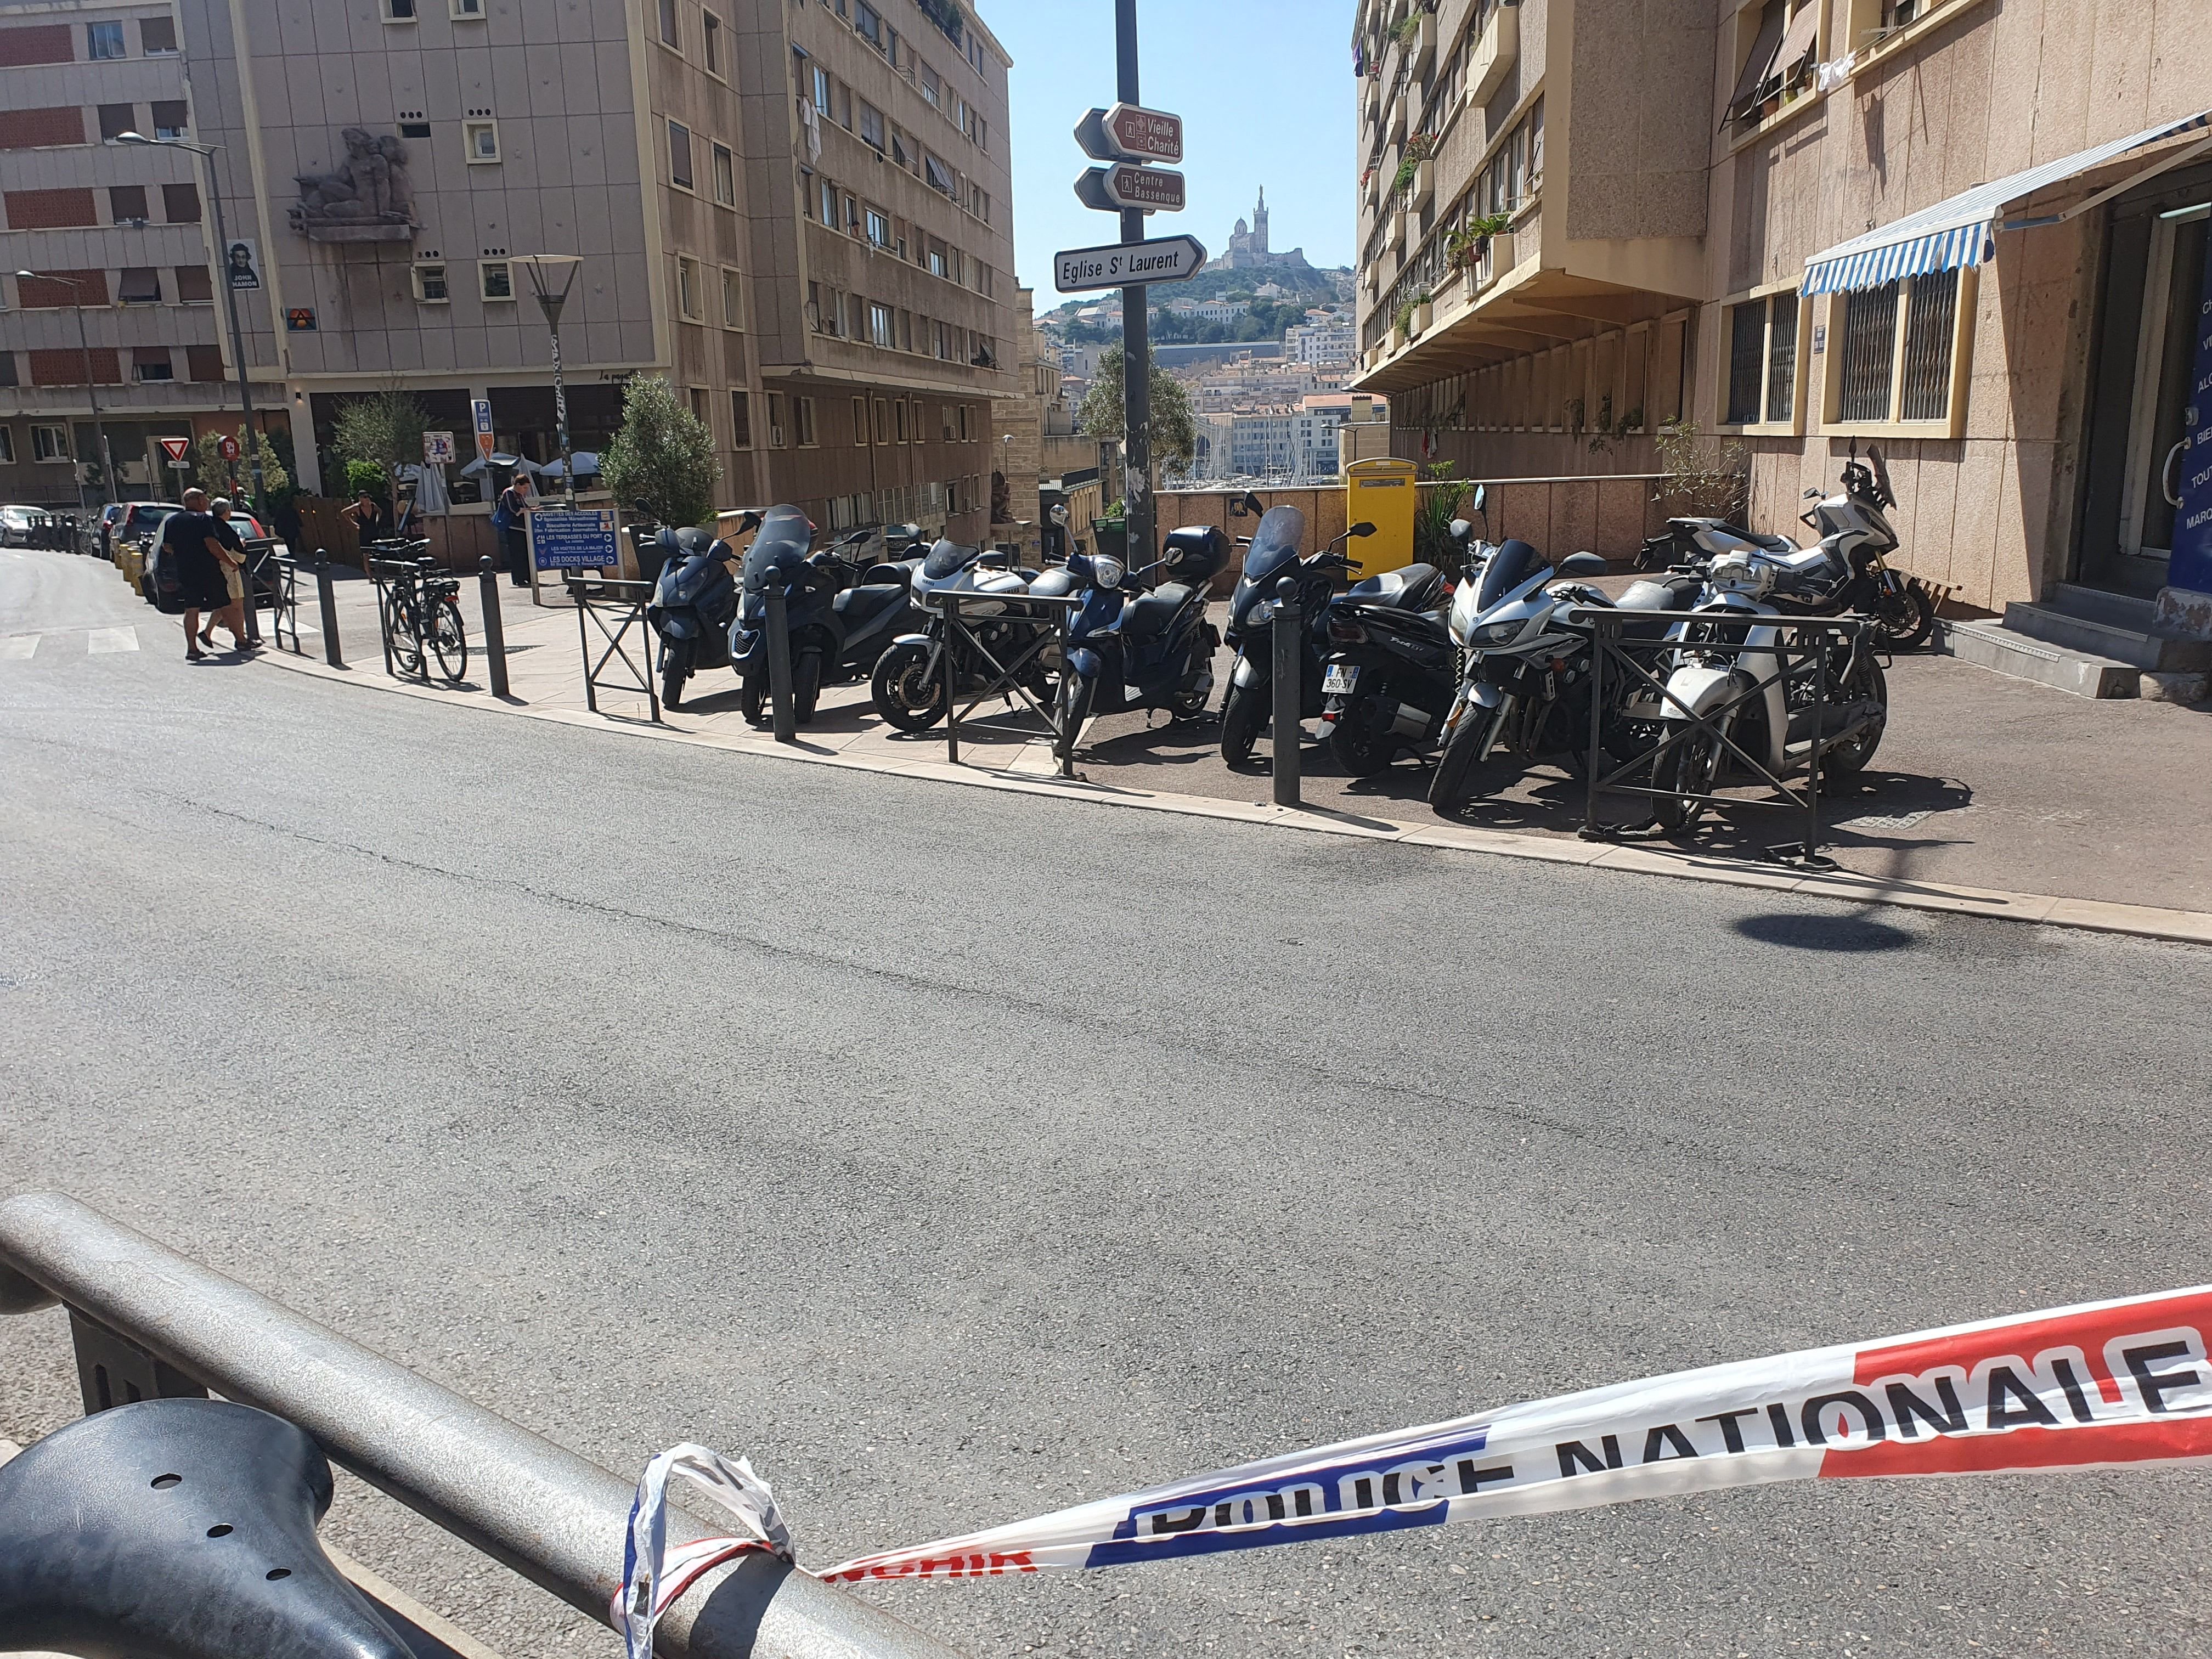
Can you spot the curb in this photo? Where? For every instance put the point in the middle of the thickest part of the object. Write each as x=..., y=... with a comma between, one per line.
x=2089, y=915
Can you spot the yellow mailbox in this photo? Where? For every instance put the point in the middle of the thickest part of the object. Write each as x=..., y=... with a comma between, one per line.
x=1381, y=492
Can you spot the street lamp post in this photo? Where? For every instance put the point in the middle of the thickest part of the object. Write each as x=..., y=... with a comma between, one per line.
x=542, y=267
x=92, y=396
x=206, y=153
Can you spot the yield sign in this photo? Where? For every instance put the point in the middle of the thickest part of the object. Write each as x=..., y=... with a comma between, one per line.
x=176, y=448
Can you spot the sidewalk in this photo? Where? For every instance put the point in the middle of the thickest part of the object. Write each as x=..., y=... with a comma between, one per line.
x=1982, y=783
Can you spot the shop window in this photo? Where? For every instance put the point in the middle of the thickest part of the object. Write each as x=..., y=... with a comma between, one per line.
x=157, y=37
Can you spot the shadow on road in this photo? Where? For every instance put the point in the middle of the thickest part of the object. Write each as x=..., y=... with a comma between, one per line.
x=1848, y=934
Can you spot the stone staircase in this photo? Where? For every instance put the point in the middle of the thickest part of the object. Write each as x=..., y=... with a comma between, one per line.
x=2081, y=640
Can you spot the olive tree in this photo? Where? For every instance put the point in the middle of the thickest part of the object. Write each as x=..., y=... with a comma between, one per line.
x=662, y=462
x=1174, y=428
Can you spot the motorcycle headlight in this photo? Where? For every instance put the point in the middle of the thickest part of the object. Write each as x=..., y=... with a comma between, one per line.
x=1260, y=612
x=1496, y=633
x=1106, y=571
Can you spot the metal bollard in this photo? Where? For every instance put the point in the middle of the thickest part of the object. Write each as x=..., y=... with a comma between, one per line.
x=252, y=606
x=1290, y=642
x=329, y=606
x=779, y=664
x=495, y=625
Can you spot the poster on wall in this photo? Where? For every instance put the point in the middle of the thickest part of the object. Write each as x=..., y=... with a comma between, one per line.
x=2191, y=566
x=242, y=261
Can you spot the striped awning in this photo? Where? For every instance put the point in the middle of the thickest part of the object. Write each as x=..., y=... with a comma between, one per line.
x=1962, y=230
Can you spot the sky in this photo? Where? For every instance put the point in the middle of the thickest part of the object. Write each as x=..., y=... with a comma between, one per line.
x=1266, y=92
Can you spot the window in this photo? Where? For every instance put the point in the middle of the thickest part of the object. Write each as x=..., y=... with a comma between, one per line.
x=467, y=11
x=935, y=259
x=1904, y=349
x=868, y=25
x=180, y=203
x=860, y=422
x=496, y=279
x=115, y=119
x=152, y=363
x=982, y=134
x=883, y=422
x=726, y=176
x=881, y=330
x=851, y=222
x=1782, y=359
x=733, y=308
x=829, y=309
x=1931, y=323
x=430, y=283
x=879, y=227
x=778, y=434
x=141, y=285
x=157, y=36
x=828, y=205
x=480, y=141
x=50, y=443
x=7, y=433
x=898, y=420
x=414, y=129
x=1869, y=343
x=871, y=127
x=964, y=423
x=1746, y=361
x=930, y=88
x=679, y=155
x=671, y=33
x=204, y=364
x=126, y=203
x=699, y=406
x=710, y=42
x=103, y=40
x=937, y=176
x=1762, y=379
x=194, y=285
x=687, y=289
x=398, y=11
x=821, y=89
x=802, y=410
x=945, y=410
x=170, y=118
x=741, y=420
x=917, y=428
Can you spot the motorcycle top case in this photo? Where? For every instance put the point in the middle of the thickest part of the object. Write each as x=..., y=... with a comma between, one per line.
x=1195, y=555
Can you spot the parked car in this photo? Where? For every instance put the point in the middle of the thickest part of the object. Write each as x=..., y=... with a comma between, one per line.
x=128, y=520
x=23, y=526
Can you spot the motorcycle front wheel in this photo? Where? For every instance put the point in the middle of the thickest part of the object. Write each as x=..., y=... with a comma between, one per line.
x=904, y=691
x=1863, y=683
x=752, y=697
x=1904, y=621
x=1685, y=776
x=675, y=669
x=1244, y=715
x=1466, y=772
x=806, y=686
x=1072, y=708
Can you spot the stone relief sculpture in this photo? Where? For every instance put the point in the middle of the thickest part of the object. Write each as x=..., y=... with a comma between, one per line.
x=367, y=198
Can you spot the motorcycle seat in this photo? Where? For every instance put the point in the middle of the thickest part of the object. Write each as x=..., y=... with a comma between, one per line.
x=181, y=1528
x=859, y=606
x=1154, y=612
x=1757, y=538
x=1416, y=588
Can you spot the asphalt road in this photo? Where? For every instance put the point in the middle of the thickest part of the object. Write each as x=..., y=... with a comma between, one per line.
x=960, y=1155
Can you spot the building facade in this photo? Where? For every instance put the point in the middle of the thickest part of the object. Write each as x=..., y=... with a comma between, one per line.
x=799, y=214
x=117, y=228
x=1970, y=232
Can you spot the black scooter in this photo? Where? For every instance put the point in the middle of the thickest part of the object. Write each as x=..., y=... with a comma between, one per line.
x=1393, y=672
x=693, y=604
x=836, y=629
x=1273, y=554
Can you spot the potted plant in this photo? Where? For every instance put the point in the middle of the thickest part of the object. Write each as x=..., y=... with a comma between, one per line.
x=1424, y=312
x=1419, y=149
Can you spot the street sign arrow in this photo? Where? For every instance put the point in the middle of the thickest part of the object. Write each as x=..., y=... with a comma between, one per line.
x=1148, y=189
x=1127, y=264
x=1128, y=132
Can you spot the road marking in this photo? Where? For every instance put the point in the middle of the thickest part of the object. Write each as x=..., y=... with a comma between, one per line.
x=18, y=648
x=102, y=641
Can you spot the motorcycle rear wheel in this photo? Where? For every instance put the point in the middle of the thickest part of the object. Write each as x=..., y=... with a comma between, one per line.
x=904, y=691
x=1244, y=713
x=1359, y=750
x=1865, y=683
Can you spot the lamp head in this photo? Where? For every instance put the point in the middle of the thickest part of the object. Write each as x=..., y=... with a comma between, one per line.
x=132, y=138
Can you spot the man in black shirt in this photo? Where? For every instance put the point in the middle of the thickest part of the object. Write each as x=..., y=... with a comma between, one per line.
x=192, y=546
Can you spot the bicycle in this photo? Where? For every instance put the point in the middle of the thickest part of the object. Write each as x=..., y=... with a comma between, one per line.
x=422, y=605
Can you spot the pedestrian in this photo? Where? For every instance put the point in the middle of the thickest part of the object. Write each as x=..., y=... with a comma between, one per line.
x=367, y=517
x=192, y=546
x=511, y=519
x=232, y=616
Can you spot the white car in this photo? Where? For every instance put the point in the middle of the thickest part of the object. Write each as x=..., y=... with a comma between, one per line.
x=21, y=526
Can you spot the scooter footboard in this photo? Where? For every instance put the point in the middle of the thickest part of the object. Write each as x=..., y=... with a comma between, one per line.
x=1695, y=692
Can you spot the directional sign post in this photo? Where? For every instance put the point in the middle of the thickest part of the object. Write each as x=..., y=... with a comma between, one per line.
x=1126, y=186
x=1127, y=133
x=1118, y=265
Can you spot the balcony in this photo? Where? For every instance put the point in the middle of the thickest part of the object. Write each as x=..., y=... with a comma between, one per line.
x=1423, y=189
x=1494, y=54
x=1394, y=240
x=1422, y=48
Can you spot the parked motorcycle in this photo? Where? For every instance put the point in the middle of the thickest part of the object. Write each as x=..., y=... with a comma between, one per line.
x=694, y=602
x=907, y=688
x=1248, y=703
x=1772, y=716
x=836, y=629
x=1135, y=647
x=1525, y=678
x=1393, y=671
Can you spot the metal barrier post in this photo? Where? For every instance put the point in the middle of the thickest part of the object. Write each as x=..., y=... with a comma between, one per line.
x=1290, y=696
x=251, y=589
x=782, y=716
x=495, y=625
x=953, y=633
x=1821, y=642
x=330, y=603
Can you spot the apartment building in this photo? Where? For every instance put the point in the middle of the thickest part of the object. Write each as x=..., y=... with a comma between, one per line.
x=117, y=228
x=798, y=213
x=1972, y=232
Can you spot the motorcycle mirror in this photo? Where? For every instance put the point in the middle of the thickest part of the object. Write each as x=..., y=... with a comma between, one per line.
x=1812, y=495
x=1059, y=513
x=1459, y=530
x=1582, y=564
x=1481, y=496
x=1362, y=529
x=1251, y=504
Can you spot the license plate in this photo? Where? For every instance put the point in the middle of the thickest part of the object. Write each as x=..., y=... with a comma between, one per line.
x=1339, y=679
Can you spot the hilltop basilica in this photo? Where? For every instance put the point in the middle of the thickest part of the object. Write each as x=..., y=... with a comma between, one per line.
x=1247, y=247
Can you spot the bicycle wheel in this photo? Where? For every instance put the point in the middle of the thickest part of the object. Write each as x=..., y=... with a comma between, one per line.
x=406, y=640
x=449, y=640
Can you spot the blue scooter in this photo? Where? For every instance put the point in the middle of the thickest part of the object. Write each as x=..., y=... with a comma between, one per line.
x=1131, y=645
x=693, y=604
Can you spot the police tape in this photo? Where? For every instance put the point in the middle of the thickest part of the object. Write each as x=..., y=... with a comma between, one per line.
x=2101, y=1385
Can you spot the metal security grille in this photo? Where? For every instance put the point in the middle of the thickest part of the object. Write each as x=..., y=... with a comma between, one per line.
x=1870, y=347
x=1747, y=358
x=1782, y=359
x=1931, y=308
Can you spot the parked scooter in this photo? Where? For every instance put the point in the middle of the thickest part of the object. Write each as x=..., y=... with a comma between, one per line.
x=1393, y=671
x=907, y=687
x=1771, y=719
x=1248, y=703
x=836, y=630
x=694, y=602
x=1133, y=647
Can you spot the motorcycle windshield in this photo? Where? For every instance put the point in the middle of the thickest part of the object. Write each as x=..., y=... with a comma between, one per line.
x=947, y=559
x=1512, y=564
x=1274, y=544
x=780, y=545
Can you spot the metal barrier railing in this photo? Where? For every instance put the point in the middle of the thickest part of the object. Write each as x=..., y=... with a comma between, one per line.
x=284, y=573
x=966, y=654
x=149, y=1322
x=1797, y=671
x=595, y=598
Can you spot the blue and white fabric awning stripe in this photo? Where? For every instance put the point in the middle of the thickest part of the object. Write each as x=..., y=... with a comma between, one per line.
x=1961, y=230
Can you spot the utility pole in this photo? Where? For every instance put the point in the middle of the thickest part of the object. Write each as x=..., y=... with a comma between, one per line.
x=1136, y=331
x=105, y=461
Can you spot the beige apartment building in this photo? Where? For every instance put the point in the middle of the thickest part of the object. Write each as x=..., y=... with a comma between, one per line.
x=116, y=228
x=1970, y=231
x=799, y=213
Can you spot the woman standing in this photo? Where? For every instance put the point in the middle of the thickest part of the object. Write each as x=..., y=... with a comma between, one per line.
x=510, y=518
